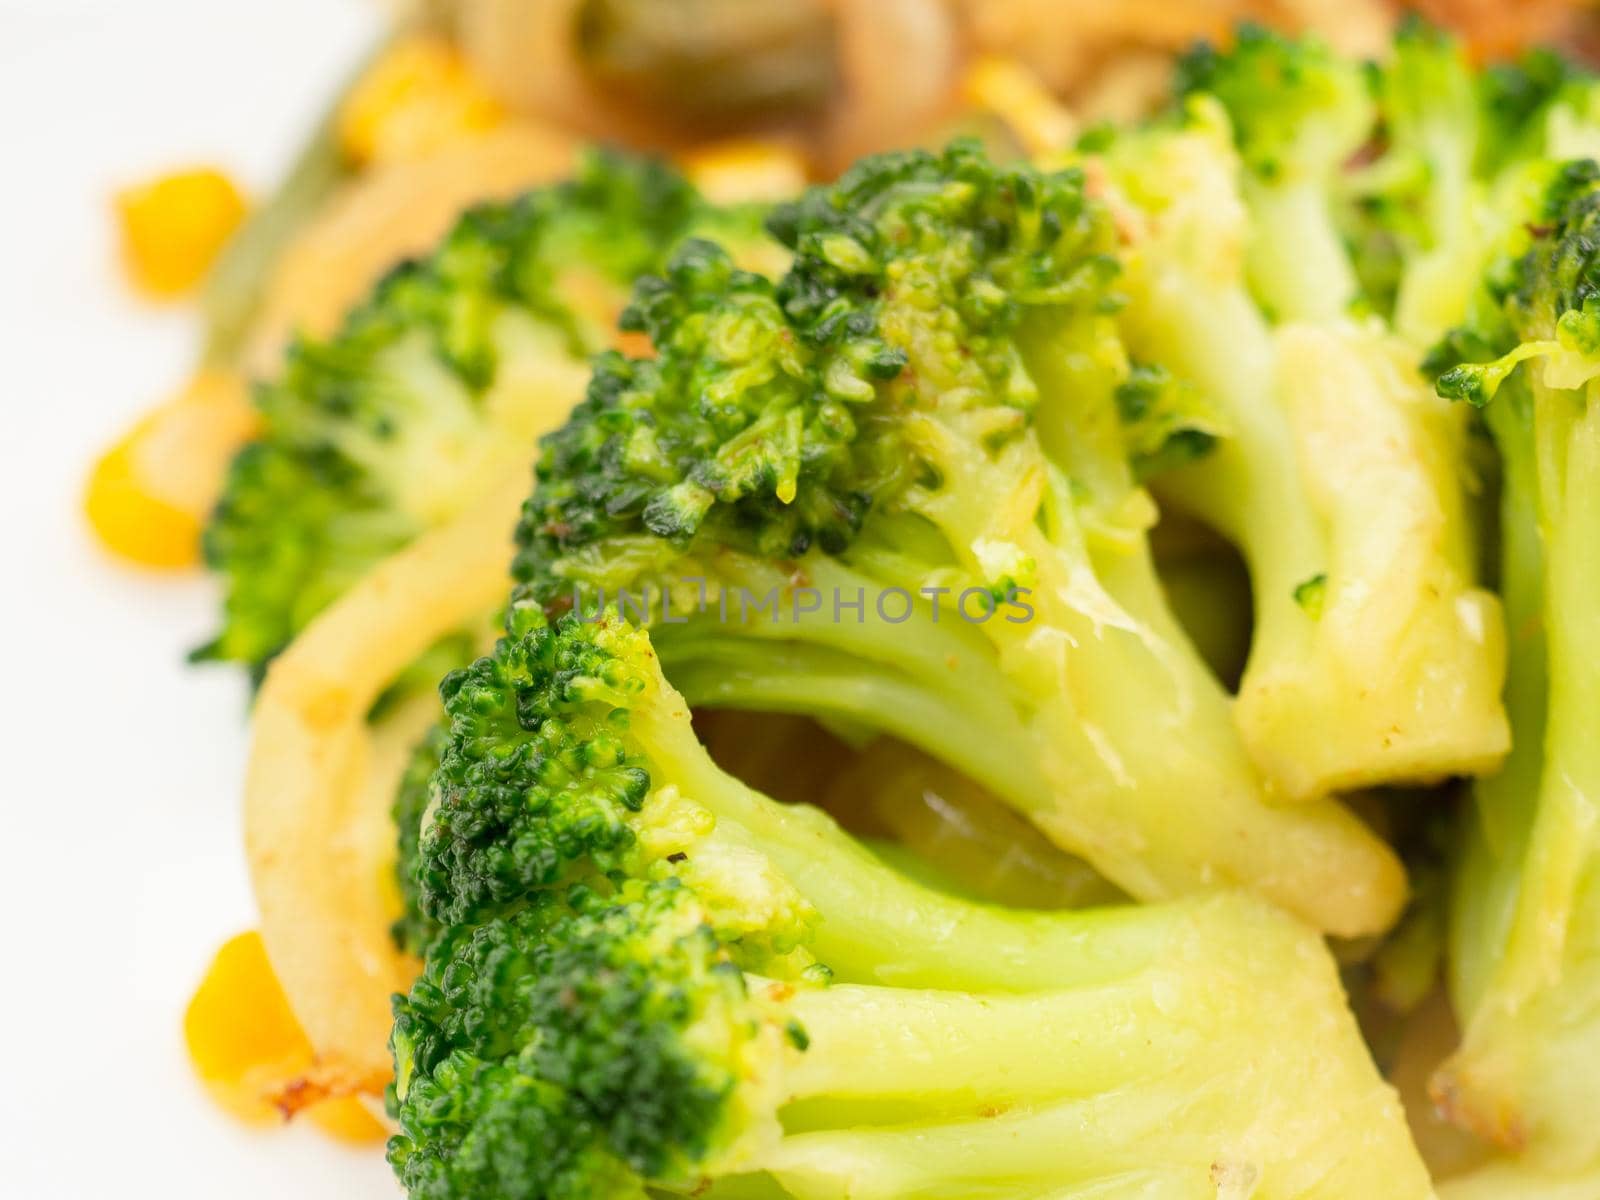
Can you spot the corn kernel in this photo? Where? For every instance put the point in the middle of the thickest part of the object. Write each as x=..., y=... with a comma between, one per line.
x=249, y=1050
x=1016, y=96
x=419, y=97
x=243, y=1039
x=173, y=227
x=347, y=1119
x=742, y=170
x=149, y=495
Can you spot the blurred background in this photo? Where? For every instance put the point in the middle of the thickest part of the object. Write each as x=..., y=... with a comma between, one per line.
x=187, y=183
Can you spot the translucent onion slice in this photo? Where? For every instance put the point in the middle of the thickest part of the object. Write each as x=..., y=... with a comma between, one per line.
x=317, y=829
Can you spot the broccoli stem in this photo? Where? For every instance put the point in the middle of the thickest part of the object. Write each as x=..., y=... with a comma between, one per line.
x=908, y=1093
x=878, y=926
x=1336, y=465
x=936, y=1053
x=1563, y=837
x=1484, y=896
x=1297, y=260
x=1181, y=1128
x=1532, y=1014
x=1101, y=778
x=753, y=674
x=1217, y=339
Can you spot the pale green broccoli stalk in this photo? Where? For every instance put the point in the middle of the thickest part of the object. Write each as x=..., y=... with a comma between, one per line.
x=921, y=420
x=1528, y=939
x=1376, y=657
x=1540, y=107
x=1299, y=113
x=653, y=977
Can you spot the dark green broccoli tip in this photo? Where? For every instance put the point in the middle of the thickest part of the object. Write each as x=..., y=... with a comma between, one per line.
x=1560, y=273
x=771, y=419
x=734, y=423
x=1465, y=344
x=1166, y=423
x=1547, y=294
x=414, y=931
x=332, y=483
x=1427, y=79
x=1469, y=382
x=1579, y=329
x=535, y=776
x=1282, y=94
x=1514, y=98
x=1311, y=595
x=576, y=1048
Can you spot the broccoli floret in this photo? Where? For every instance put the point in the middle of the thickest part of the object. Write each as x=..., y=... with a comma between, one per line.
x=413, y=930
x=654, y=977
x=909, y=452
x=1167, y=422
x=1526, y=934
x=1376, y=657
x=1299, y=113
x=436, y=385
x=1424, y=190
x=1457, y=146
x=1540, y=107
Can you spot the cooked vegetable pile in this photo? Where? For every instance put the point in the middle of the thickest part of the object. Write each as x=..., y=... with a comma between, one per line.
x=892, y=472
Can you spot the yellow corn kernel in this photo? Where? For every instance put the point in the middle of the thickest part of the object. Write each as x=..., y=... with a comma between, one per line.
x=347, y=1119
x=243, y=1039
x=173, y=227
x=148, y=497
x=419, y=97
x=1014, y=94
x=249, y=1050
x=741, y=170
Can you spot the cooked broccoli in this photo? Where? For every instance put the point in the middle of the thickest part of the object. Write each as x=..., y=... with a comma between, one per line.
x=1376, y=656
x=1457, y=143
x=654, y=977
x=1299, y=113
x=909, y=452
x=1539, y=107
x=436, y=384
x=1425, y=189
x=413, y=930
x=1526, y=936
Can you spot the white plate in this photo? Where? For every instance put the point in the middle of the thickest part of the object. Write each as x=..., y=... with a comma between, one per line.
x=121, y=867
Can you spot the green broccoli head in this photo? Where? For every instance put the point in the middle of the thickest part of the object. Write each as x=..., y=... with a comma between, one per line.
x=1420, y=194
x=1297, y=107
x=1556, y=284
x=1515, y=97
x=575, y=1048
x=681, y=981
x=1300, y=113
x=736, y=427
x=930, y=411
x=1168, y=421
x=775, y=415
x=413, y=931
x=1540, y=106
x=436, y=384
x=509, y=823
